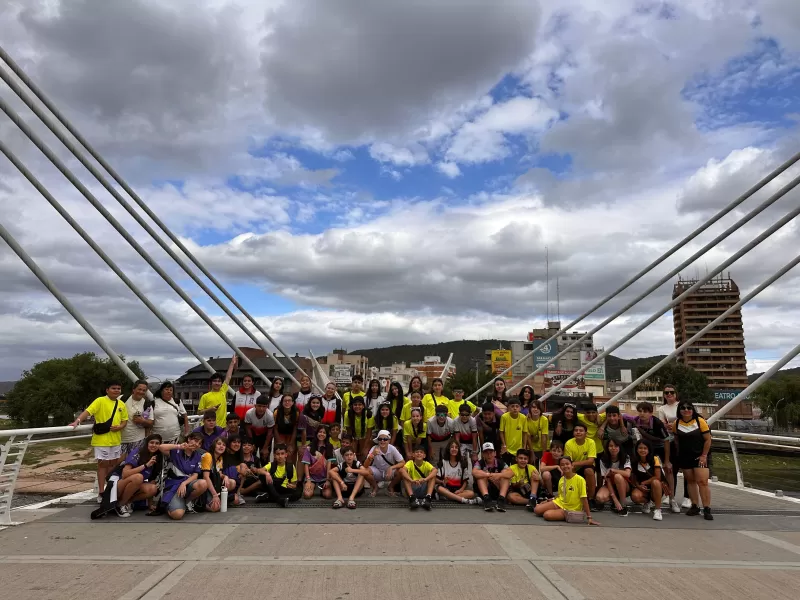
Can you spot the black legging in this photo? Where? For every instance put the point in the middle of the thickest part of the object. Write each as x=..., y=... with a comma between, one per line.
x=673, y=457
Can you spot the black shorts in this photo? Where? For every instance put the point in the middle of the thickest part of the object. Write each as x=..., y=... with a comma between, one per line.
x=660, y=453
x=451, y=488
x=494, y=491
x=689, y=461
x=348, y=490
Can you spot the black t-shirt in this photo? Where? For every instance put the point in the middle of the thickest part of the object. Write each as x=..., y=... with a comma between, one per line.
x=490, y=430
x=655, y=429
x=497, y=467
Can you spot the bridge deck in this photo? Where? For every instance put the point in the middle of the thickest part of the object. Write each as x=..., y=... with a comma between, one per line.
x=380, y=552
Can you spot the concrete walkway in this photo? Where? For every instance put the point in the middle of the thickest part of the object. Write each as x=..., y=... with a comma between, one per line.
x=393, y=554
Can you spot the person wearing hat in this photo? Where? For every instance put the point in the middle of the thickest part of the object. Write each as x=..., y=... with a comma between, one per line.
x=384, y=463
x=440, y=430
x=259, y=425
x=492, y=478
x=356, y=423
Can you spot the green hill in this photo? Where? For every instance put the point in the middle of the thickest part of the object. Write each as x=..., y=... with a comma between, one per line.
x=793, y=372
x=466, y=352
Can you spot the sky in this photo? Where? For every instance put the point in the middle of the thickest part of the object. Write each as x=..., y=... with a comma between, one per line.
x=371, y=174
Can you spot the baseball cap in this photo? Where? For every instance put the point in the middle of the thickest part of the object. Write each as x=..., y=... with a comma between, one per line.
x=488, y=446
x=383, y=433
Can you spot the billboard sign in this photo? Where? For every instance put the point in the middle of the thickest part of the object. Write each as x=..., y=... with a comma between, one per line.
x=341, y=374
x=598, y=370
x=544, y=354
x=501, y=360
x=726, y=395
x=554, y=378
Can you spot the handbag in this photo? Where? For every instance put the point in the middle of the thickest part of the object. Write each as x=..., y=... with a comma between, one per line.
x=105, y=426
x=575, y=516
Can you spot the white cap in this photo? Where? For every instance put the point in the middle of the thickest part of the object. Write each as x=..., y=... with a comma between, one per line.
x=383, y=433
x=488, y=446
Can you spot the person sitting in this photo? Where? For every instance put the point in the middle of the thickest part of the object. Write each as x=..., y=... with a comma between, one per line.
x=140, y=474
x=549, y=469
x=209, y=430
x=335, y=437
x=347, y=478
x=279, y=479
x=414, y=401
x=583, y=454
x=383, y=463
x=183, y=484
x=317, y=458
x=250, y=482
x=615, y=475
x=419, y=480
x=233, y=424
x=453, y=475
x=646, y=479
x=345, y=442
x=614, y=428
x=213, y=467
x=524, y=484
x=571, y=500
x=491, y=479
x=234, y=468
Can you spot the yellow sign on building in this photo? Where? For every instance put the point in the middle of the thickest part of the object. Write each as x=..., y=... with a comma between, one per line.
x=501, y=360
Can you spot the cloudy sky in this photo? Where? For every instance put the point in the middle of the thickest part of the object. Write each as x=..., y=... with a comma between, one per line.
x=373, y=173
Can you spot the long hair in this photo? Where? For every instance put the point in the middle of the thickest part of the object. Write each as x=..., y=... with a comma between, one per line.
x=368, y=394
x=669, y=385
x=325, y=448
x=389, y=423
x=493, y=396
x=444, y=455
x=280, y=412
x=522, y=401
x=231, y=458
x=145, y=455
x=695, y=415
x=651, y=462
x=396, y=394
x=605, y=457
x=318, y=414
x=272, y=390
x=411, y=386
x=351, y=418
x=560, y=416
x=417, y=432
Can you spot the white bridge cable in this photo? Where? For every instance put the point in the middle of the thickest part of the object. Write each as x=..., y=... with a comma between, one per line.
x=128, y=237
x=764, y=285
x=655, y=316
x=755, y=385
x=100, y=252
x=140, y=203
x=68, y=306
x=737, y=225
x=719, y=215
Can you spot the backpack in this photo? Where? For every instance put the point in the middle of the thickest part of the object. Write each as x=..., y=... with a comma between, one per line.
x=273, y=468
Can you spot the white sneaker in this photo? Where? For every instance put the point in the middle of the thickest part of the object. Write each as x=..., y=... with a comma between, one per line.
x=646, y=507
x=99, y=498
x=687, y=503
x=190, y=507
x=478, y=500
x=657, y=515
x=382, y=484
x=674, y=506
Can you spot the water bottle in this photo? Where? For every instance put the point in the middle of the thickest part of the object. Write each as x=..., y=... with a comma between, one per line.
x=223, y=500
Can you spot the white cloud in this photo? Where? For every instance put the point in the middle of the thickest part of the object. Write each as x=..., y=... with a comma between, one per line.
x=449, y=168
x=409, y=156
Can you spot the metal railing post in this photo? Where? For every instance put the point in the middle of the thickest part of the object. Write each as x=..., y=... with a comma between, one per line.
x=736, y=464
x=14, y=448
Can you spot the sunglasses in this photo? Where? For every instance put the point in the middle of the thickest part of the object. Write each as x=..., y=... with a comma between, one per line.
x=669, y=393
x=685, y=408
x=383, y=439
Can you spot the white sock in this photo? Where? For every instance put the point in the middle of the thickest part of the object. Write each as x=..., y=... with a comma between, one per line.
x=464, y=501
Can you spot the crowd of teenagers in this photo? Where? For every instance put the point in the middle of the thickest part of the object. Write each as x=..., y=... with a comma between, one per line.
x=280, y=447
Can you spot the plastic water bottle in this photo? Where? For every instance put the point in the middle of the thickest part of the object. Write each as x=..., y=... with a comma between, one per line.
x=223, y=500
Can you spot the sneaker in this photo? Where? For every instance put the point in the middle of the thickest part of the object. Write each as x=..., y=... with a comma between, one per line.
x=239, y=501
x=657, y=515
x=500, y=505
x=190, y=507
x=284, y=503
x=623, y=512
x=262, y=498
x=122, y=513
x=674, y=506
x=412, y=503
x=477, y=500
x=647, y=507
x=687, y=503
x=488, y=506
x=426, y=503
x=531, y=505
x=382, y=484
x=99, y=498
x=693, y=511
x=707, y=513
x=474, y=501
x=129, y=508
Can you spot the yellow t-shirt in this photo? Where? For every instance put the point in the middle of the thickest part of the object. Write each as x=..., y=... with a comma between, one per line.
x=406, y=414
x=206, y=460
x=280, y=472
x=336, y=443
x=418, y=472
x=220, y=398
x=514, y=430
x=408, y=433
x=537, y=428
x=101, y=409
x=347, y=396
x=570, y=493
x=361, y=424
x=591, y=429
x=394, y=422
x=455, y=405
x=430, y=405
x=520, y=478
x=580, y=452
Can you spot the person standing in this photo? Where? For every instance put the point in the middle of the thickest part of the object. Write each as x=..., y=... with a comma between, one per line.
x=140, y=413
x=169, y=415
x=302, y=397
x=217, y=398
x=110, y=418
x=356, y=390
x=668, y=413
x=246, y=397
x=693, y=440
x=259, y=423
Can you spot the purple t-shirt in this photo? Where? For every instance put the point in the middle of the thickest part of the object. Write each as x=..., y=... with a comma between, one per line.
x=133, y=460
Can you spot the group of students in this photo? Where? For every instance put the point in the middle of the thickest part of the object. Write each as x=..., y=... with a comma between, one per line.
x=280, y=447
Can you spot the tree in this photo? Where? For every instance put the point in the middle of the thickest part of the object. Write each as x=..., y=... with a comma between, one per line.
x=466, y=381
x=692, y=385
x=63, y=386
x=779, y=398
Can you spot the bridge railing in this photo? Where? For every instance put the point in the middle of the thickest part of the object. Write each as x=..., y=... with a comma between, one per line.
x=761, y=461
x=14, y=444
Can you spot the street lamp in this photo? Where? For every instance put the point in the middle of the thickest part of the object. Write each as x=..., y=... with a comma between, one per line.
x=777, y=404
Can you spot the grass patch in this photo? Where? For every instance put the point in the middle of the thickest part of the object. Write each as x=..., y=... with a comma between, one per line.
x=36, y=453
x=8, y=424
x=762, y=472
x=92, y=466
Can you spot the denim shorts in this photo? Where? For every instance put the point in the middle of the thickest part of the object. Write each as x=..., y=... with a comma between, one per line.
x=178, y=503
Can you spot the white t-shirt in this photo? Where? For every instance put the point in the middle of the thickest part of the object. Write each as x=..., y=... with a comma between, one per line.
x=453, y=476
x=614, y=465
x=244, y=401
x=385, y=460
x=259, y=425
x=348, y=478
x=274, y=402
x=302, y=399
x=667, y=413
x=133, y=432
x=168, y=417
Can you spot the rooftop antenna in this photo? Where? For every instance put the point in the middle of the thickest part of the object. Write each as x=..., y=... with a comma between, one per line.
x=558, y=300
x=547, y=278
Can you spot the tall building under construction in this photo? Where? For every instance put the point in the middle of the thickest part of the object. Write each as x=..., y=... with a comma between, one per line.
x=719, y=354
